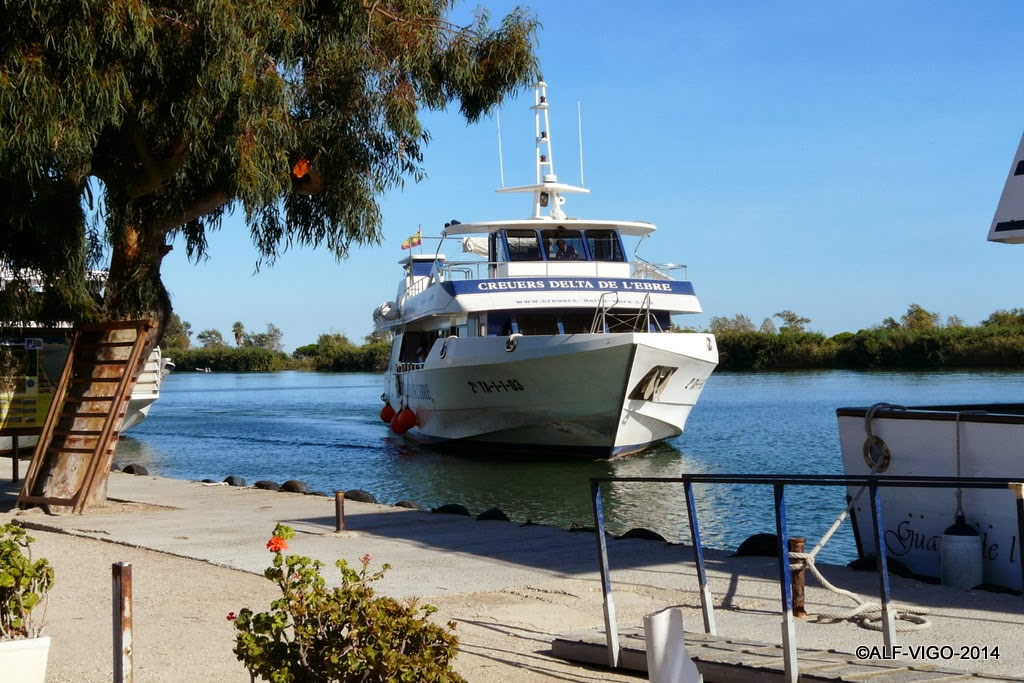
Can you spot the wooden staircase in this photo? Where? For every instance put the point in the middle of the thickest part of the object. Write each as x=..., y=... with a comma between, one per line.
x=73, y=456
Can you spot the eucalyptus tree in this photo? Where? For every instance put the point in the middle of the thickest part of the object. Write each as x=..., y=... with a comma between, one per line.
x=127, y=124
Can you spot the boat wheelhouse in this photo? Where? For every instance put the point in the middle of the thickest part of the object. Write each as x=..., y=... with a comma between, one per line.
x=545, y=334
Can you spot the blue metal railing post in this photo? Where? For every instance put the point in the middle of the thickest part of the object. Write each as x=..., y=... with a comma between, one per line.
x=610, y=628
x=706, y=605
x=884, y=594
x=788, y=623
x=1018, y=490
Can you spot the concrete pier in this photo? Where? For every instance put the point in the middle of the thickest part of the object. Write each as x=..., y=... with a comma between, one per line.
x=514, y=589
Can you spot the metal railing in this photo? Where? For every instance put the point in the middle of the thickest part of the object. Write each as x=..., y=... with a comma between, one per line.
x=482, y=270
x=779, y=482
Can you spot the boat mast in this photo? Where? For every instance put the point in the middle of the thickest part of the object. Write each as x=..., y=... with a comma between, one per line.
x=547, y=191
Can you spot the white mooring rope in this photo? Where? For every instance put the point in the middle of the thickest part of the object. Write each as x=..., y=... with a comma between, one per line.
x=866, y=614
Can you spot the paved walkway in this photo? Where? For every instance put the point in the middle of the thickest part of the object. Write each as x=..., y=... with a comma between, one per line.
x=530, y=582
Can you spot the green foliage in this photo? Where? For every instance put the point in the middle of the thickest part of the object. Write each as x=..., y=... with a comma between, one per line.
x=24, y=585
x=791, y=322
x=211, y=337
x=882, y=347
x=739, y=323
x=176, y=334
x=335, y=353
x=155, y=118
x=270, y=340
x=917, y=318
x=1012, y=318
x=232, y=359
x=314, y=633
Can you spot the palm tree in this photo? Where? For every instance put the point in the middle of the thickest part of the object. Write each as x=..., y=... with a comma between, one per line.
x=238, y=329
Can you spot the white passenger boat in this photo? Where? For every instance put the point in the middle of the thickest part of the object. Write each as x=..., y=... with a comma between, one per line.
x=548, y=338
x=946, y=441
x=26, y=402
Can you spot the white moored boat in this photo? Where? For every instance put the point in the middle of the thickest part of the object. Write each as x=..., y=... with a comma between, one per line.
x=549, y=337
x=26, y=401
x=946, y=441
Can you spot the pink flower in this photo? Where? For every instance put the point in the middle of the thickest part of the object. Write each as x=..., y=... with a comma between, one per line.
x=231, y=616
x=276, y=544
x=365, y=559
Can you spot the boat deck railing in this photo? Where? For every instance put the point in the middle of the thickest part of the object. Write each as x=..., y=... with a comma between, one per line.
x=779, y=482
x=488, y=270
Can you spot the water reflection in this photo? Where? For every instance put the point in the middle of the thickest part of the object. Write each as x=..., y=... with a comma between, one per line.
x=324, y=430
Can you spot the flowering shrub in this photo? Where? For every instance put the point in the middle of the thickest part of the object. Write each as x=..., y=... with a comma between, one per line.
x=315, y=633
x=23, y=585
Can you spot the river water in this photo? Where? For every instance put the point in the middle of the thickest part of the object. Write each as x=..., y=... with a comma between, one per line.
x=324, y=429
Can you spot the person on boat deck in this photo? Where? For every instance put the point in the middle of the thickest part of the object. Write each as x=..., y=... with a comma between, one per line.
x=565, y=253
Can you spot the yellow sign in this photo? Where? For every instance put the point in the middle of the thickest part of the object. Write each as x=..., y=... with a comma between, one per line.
x=28, y=379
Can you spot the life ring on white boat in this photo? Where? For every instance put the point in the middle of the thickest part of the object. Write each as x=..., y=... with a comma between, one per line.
x=512, y=342
x=877, y=454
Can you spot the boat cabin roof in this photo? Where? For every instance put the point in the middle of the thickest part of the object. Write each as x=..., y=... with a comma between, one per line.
x=633, y=228
x=419, y=258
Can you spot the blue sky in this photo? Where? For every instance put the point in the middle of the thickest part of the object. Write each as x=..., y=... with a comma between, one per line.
x=840, y=159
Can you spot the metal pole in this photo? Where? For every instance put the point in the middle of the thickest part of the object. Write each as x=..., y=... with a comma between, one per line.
x=788, y=624
x=884, y=594
x=123, y=649
x=1018, y=490
x=610, y=628
x=706, y=604
x=17, y=456
x=856, y=528
x=796, y=545
x=339, y=511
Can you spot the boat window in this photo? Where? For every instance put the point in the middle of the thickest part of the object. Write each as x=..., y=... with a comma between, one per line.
x=605, y=245
x=537, y=323
x=577, y=323
x=499, y=323
x=564, y=245
x=522, y=245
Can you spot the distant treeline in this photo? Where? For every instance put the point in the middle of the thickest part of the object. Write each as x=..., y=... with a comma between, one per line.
x=331, y=353
x=917, y=341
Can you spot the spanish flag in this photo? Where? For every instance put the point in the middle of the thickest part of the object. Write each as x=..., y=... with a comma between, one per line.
x=415, y=240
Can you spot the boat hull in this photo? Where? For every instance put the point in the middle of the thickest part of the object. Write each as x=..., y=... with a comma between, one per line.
x=923, y=442
x=588, y=395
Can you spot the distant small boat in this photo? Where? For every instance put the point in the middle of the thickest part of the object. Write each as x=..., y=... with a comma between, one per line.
x=546, y=336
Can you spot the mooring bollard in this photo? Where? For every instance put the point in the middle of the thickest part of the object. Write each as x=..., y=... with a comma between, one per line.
x=339, y=510
x=123, y=652
x=796, y=545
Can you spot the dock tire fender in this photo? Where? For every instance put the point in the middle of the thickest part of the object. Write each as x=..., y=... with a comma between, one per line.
x=512, y=342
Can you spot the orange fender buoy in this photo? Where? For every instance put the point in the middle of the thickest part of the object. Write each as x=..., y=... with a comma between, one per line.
x=386, y=413
x=403, y=421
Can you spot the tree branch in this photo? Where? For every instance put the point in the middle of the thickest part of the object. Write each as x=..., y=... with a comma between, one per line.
x=157, y=172
x=199, y=207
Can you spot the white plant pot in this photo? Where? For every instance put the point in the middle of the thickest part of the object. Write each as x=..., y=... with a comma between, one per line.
x=24, y=660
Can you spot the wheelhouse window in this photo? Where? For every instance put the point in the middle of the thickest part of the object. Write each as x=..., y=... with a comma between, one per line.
x=605, y=245
x=522, y=245
x=564, y=245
